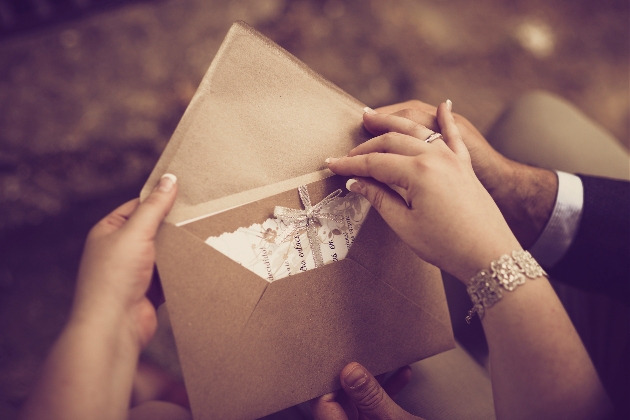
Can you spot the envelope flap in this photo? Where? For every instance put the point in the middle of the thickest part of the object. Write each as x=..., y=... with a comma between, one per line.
x=274, y=117
x=260, y=210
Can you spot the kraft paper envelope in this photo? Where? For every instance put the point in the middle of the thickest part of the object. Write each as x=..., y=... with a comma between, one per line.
x=260, y=125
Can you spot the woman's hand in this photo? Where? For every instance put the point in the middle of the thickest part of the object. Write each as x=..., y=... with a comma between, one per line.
x=442, y=212
x=525, y=194
x=363, y=397
x=90, y=370
x=540, y=368
x=118, y=260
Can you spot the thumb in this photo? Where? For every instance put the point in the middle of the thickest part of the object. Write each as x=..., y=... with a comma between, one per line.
x=146, y=219
x=368, y=396
x=391, y=206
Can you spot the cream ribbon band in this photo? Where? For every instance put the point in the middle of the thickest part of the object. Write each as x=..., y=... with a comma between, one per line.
x=298, y=221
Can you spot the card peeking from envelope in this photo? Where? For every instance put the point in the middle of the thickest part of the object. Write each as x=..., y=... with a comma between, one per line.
x=295, y=241
x=273, y=278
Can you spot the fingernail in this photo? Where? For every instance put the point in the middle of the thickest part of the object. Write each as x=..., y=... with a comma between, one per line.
x=354, y=185
x=331, y=160
x=369, y=110
x=449, y=105
x=356, y=377
x=167, y=182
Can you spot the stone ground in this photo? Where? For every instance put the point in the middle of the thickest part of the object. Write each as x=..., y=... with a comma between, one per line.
x=87, y=104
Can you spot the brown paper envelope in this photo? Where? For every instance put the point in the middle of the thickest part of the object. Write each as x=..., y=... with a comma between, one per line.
x=261, y=124
x=249, y=348
x=259, y=117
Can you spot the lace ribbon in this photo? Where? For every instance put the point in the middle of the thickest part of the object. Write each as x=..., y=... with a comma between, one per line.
x=298, y=221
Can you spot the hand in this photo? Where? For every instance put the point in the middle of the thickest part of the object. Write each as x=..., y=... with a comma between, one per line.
x=362, y=396
x=491, y=167
x=444, y=214
x=441, y=210
x=118, y=259
x=158, y=395
x=524, y=194
x=89, y=372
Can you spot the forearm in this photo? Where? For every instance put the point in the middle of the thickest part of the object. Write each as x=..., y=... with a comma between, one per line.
x=539, y=367
x=88, y=374
x=90, y=370
x=526, y=198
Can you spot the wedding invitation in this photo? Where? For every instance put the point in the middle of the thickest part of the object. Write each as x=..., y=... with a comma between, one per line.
x=258, y=249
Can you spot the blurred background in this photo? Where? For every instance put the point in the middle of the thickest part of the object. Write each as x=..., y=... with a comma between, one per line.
x=91, y=91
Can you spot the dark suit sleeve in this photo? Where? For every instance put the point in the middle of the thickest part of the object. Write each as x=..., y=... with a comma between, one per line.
x=598, y=259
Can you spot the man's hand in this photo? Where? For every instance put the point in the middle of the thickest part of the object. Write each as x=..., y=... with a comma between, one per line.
x=363, y=397
x=524, y=194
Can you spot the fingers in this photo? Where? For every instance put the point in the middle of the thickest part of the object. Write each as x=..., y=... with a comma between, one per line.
x=158, y=410
x=389, y=203
x=426, y=119
x=125, y=210
x=413, y=104
x=384, y=167
x=153, y=383
x=397, y=382
x=115, y=220
x=397, y=143
x=367, y=394
x=395, y=123
x=327, y=408
x=391, y=206
x=383, y=123
x=150, y=213
x=450, y=132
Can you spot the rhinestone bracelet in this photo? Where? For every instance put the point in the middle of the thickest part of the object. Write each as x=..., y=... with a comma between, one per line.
x=507, y=272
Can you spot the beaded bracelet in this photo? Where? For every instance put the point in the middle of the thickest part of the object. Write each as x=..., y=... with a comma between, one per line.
x=508, y=272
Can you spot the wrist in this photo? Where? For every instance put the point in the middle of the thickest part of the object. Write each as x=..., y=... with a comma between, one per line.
x=110, y=325
x=114, y=309
x=117, y=328
x=481, y=257
x=526, y=198
x=88, y=372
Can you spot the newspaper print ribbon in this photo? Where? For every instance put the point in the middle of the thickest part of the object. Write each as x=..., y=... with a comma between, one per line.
x=298, y=221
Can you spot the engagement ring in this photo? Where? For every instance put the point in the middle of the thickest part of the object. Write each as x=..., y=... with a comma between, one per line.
x=434, y=136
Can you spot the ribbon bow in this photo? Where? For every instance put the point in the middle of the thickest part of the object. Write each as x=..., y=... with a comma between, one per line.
x=298, y=221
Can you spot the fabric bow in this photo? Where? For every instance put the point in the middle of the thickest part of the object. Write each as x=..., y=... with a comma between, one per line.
x=298, y=221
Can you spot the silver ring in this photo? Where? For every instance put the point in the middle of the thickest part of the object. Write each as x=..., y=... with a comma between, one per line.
x=433, y=136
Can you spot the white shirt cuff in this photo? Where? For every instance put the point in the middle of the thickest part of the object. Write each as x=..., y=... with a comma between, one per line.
x=563, y=224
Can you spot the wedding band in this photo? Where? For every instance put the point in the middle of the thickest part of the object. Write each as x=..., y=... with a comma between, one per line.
x=433, y=136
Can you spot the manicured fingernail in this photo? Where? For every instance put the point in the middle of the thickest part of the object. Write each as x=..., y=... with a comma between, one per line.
x=369, y=110
x=354, y=185
x=331, y=160
x=167, y=182
x=449, y=105
x=356, y=377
